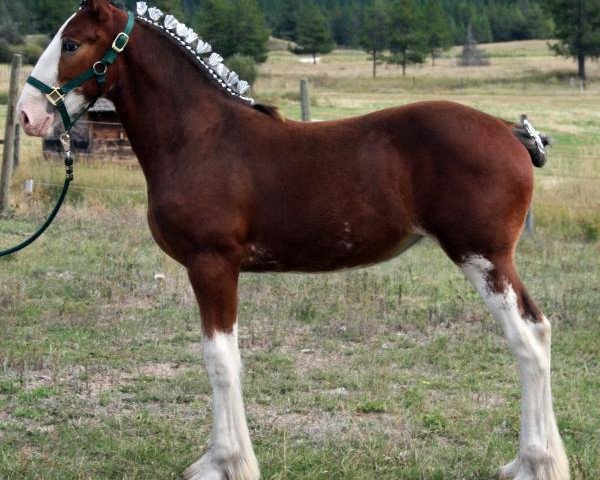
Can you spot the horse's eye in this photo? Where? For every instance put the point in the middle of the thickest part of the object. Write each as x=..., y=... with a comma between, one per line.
x=69, y=46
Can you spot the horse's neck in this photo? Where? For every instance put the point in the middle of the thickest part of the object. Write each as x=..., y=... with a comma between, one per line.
x=160, y=95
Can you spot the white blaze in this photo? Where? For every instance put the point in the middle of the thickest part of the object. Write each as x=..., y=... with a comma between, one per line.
x=33, y=102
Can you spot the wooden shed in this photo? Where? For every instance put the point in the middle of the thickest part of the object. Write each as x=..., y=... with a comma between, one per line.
x=99, y=134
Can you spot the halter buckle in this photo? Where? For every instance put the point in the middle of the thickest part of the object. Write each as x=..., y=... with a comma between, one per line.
x=100, y=68
x=120, y=42
x=56, y=97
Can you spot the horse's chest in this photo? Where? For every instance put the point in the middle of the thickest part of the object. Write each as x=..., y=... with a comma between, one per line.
x=163, y=238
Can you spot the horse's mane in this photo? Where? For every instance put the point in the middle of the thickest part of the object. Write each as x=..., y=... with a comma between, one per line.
x=269, y=110
x=202, y=55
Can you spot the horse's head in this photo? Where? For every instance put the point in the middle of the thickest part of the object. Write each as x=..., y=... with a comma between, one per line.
x=81, y=42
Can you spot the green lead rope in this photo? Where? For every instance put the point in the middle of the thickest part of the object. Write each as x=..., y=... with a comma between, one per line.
x=44, y=227
x=56, y=96
x=69, y=160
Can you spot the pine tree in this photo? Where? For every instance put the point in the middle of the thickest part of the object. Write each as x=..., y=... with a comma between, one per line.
x=345, y=25
x=215, y=25
x=437, y=29
x=234, y=27
x=9, y=28
x=539, y=24
x=250, y=30
x=577, y=26
x=286, y=25
x=313, y=34
x=375, y=31
x=51, y=14
x=482, y=29
x=407, y=39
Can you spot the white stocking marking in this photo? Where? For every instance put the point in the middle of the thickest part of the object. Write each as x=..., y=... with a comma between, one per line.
x=230, y=450
x=541, y=452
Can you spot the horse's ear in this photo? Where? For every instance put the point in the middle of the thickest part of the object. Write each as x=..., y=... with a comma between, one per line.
x=100, y=8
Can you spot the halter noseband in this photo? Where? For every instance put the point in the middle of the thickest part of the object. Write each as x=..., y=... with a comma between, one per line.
x=56, y=95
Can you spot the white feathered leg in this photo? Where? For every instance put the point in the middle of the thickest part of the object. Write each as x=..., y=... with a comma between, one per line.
x=541, y=452
x=230, y=455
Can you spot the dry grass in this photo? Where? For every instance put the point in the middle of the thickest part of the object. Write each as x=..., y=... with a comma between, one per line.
x=531, y=64
x=5, y=76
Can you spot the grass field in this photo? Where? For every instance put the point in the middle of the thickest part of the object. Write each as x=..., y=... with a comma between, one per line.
x=392, y=372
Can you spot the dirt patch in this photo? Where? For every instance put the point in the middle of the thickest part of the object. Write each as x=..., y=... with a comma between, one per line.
x=194, y=348
x=39, y=379
x=161, y=370
x=321, y=427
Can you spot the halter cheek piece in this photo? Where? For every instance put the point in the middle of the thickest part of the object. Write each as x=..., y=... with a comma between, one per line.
x=56, y=95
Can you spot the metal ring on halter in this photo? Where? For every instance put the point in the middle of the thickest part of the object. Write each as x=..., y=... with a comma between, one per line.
x=100, y=68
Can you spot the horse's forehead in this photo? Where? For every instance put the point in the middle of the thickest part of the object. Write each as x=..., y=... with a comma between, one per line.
x=79, y=23
x=57, y=38
x=65, y=25
x=46, y=69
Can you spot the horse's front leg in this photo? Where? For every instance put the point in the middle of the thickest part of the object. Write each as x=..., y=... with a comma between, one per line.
x=230, y=455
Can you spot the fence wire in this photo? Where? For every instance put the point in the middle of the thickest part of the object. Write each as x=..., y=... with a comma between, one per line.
x=92, y=188
x=570, y=155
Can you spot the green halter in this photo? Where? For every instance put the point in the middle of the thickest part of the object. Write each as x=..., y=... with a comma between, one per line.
x=56, y=96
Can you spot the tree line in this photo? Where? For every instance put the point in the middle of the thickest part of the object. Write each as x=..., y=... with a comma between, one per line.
x=491, y=20
x=396, y=31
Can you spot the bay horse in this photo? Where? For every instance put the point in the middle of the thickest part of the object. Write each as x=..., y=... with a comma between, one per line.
x=233, y=187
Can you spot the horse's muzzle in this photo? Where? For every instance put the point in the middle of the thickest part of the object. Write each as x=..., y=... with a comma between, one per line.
x=34, y=116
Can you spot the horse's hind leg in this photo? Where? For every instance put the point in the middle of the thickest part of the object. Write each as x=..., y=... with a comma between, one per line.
x=230, y=455
x=541, y=452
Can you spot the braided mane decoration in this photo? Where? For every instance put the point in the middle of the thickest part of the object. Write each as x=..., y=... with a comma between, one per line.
x=201, y=50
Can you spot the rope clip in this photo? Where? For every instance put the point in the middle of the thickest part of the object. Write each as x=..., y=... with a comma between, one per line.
x=65, y=140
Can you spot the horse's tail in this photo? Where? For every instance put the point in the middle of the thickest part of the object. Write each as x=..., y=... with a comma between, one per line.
x=535, y=142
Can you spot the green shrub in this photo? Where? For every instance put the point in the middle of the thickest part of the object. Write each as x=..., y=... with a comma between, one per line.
x=371, y=407
x=5, y=52
x=10, y=33
x=244, y=66
x=32, y=53
x=40, y=40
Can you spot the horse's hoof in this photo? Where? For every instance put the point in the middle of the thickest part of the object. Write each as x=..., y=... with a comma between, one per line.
x=537, y=467
x=203, y=469
x=509, y=471
x=235, y=468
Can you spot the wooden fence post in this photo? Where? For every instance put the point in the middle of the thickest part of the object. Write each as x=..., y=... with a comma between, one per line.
x=529, y=222
x=305, y=100
x=17, y=154
x=9, y=137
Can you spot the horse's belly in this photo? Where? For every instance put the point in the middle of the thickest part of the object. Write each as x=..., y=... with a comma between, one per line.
x=322, y=255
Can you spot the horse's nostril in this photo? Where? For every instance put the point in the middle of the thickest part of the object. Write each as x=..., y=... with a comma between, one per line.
x=24, y=119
